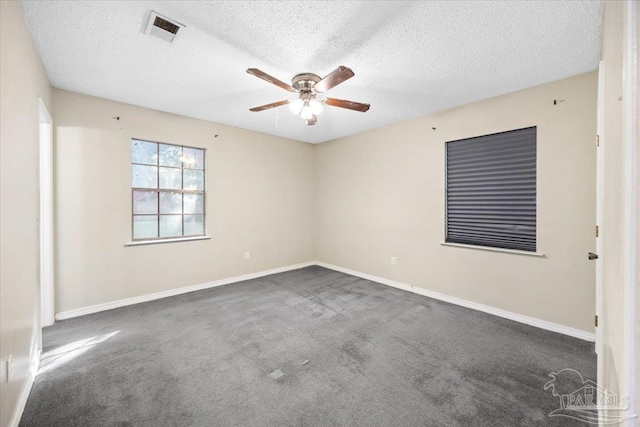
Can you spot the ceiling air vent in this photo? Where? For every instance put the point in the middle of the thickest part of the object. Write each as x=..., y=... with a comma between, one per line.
x=162, y=27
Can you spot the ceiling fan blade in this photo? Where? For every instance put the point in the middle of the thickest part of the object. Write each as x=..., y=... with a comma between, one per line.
x=312, y=121
x=334, y=78
x=264, y=76
x=272, y=105
x=357, y=106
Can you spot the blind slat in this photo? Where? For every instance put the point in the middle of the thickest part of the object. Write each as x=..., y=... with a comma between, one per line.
x=464, y=157
x=495, y=239
x=469, y=146
x=485, y=166
x=479, y=221
x=500, y=186
x=492, y=197
x=502, y=177
x=492, y=232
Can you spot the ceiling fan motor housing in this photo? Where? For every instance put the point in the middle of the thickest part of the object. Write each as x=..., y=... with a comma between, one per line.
x=305, y=82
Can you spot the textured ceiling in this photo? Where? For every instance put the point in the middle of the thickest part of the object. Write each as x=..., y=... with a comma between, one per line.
x=409, y=58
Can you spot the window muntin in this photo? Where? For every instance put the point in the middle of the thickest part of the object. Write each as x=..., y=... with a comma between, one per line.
x=491, y=190
x=167, y=190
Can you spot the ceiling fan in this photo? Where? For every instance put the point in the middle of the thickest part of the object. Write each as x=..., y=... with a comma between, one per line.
x=309, y=86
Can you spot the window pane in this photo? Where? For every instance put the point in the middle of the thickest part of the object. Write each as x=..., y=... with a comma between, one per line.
x=193, y=224
x=145, y=226
x=171, y=178
x=169, y=155
x=159, y=174
x=193, y=203
x=193, y=158
x=144, y=176
x=170, y=203
x=144, y=152
x=145, y=202
x=193, y=180
x=170, y=225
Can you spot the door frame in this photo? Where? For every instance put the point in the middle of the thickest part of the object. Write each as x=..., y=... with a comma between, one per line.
x=599, y=345
x=631, y=223
x=47, y=315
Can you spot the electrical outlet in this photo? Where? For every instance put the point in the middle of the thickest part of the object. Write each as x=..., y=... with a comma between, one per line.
x=247, y=256
x=9, y=367
x=393, y=260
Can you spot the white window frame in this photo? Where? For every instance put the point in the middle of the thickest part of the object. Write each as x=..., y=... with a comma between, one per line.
x=152, y=240
x=445, y=242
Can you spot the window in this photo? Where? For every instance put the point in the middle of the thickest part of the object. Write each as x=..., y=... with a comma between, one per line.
x=491, y=190
x=167, y=189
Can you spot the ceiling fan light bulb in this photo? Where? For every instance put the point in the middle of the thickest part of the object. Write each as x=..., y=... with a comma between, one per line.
x=296, y=106
x=316, y=106
x=306, y=113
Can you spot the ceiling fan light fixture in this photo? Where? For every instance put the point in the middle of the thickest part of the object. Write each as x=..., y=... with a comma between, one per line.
x=316, y=106
x=296, y=106
x=306, y=112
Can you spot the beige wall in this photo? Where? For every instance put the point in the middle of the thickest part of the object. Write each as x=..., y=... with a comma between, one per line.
x=22, y=81
x=259, y=199
x=377, y=194
x=381, y=194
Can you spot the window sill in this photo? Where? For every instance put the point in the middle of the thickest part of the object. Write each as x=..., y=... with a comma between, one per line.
x=490, y=249
x=159, y=241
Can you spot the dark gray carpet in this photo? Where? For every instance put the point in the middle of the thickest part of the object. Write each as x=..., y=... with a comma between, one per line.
x=235, y=356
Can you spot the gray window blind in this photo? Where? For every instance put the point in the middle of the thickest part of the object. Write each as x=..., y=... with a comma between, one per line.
x=491, y=190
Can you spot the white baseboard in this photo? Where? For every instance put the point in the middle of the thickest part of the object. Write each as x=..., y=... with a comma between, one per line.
x=550, y=326
x=543, y=324
x=26, y=390
x=172, y=292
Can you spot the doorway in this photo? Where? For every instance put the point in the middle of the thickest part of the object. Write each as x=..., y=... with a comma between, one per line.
x=47, y=316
